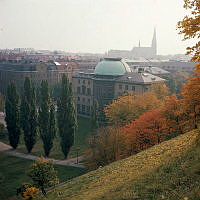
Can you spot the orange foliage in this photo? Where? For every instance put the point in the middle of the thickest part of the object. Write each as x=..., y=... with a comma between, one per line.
x=191, y=99
x=175, y=116
x=149, y=129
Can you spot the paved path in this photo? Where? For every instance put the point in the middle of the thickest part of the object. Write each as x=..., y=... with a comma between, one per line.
x=69, y=162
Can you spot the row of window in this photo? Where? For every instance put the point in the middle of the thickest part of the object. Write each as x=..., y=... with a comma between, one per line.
x=84, y=82
x=83, y=99
x=127, y=87
x=83, y=109
x=83, y=90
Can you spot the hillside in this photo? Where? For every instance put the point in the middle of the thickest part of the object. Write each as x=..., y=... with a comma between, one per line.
x=170, y=170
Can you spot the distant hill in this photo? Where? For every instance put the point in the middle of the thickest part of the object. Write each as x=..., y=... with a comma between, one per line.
x=170, y=170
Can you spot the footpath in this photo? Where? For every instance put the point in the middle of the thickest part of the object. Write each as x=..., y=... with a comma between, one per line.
x=7, y=149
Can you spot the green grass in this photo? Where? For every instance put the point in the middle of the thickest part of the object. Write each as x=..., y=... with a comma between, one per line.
x=84, y=131
x=13, y=174
x=170, y=170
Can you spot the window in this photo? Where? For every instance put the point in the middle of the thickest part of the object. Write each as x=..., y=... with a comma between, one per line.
x=83, y=99
x=133, y=88
x=83, y=109
x=78, y=108
x=88, y=110
x=79, y=81
x=120, y=87
x=88, y=91
x=83, y=81
x=89, y=101
x=126, y=87
x=88, y=82
x=78, y=98
x=83, y=89
x=78, y=90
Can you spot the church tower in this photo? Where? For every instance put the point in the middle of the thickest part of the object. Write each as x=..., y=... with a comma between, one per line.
x=154, y=43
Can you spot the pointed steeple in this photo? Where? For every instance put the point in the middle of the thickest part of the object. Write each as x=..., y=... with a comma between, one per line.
x=154, y=43
x=139, y=44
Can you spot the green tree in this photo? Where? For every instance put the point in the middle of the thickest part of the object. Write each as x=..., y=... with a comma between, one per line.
x=2, y=102
x=46, y=119
x=29, y=114
x=67, y=118
x=13, y=115
x=43, y=174
x=94, y=117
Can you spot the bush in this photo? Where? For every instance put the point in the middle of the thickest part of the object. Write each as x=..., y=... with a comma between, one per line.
x=43, y=174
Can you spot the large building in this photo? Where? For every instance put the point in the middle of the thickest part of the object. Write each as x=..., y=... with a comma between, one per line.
x=137, y=52
x=37, y=71
x=110, y=79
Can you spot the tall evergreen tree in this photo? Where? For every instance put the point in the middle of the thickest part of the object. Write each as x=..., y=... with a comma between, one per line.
x=13, y=115
x=94, y=117
x=67, y=118
x=47, y=123
x=29, y=115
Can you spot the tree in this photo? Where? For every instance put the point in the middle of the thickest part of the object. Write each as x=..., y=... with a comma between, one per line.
x=105, y=147
x=13, y=115
x=67, y=117
x=2, y=102
x=175, y=115
x=94, y=117
x=46, y=118
x=128, y=108
x=43, y=174
x=160, y=90
x=149, y=129
x=189, y=27
x=29, y=115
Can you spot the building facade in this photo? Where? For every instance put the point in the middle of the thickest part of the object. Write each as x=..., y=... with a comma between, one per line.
x=111, y=78
x=137, y=52
x=17, y=72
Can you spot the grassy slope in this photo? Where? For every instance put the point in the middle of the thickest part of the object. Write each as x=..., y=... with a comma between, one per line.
x=170, y=170
x=13, y=171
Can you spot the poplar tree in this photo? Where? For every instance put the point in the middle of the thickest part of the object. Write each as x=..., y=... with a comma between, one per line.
x=94, y=117
x=12, y=118
x=67, y=118
x=47, y=125
x=29, y=115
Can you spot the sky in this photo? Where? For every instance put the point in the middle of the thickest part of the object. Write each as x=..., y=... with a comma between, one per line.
x=94, y=26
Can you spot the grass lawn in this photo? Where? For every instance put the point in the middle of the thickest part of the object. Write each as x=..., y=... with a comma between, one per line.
x=170, y=170
x=13, y=174
x=82, y=134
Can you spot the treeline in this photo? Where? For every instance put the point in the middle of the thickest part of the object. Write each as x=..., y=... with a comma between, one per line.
x=139, y=121
x=42, y=116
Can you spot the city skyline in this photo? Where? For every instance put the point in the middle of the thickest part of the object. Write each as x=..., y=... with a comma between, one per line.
x=91, y=26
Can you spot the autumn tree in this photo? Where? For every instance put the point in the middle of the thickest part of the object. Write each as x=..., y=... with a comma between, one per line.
x=149, y=129
x=43, y=174
x=160, y=90
x=127, y=108
x=105, y=147
x=13, y=115
x=189, y=27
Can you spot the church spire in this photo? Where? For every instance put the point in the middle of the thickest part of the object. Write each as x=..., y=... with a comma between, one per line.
x=139, y=44
x=154, y=43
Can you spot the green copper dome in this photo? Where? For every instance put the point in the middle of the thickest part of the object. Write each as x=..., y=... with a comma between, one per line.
x=112, y=66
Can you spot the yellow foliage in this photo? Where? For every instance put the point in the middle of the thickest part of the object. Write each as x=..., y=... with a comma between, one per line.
x=29, y=193
x=127, y=108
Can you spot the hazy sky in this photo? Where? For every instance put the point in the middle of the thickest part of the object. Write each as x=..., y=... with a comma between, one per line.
x=91, y=25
